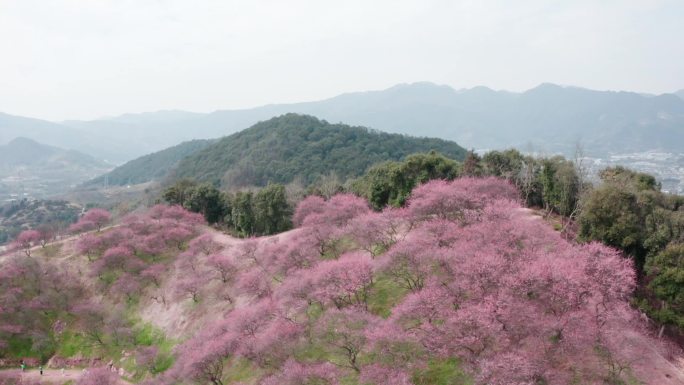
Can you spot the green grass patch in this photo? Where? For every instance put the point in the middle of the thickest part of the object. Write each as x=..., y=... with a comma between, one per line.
x=241, y=370
x=72, y=344
x=379, y=249
x=441, y=372
x=312, y=353
x=50, y=251
x=352, y=379
x=148, y=335
x=384, y=295
x=337, y=247
x=164, y=361
x=109, y=277
x=315, y=311
x=145, y=335
x=20, y=346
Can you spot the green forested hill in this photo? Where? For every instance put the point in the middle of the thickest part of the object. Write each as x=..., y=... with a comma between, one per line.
x=293, y=146
x=151, y=167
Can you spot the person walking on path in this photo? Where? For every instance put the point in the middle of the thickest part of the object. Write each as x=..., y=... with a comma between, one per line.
x=23, y=366
x=41, y=369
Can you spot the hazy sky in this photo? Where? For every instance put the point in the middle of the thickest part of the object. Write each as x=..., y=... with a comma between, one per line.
x=82, y=59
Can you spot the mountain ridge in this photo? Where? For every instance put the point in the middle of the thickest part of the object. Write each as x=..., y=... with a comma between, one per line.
x=25, y=151
x=549, y=117
x=293, y=146
x=481, y=117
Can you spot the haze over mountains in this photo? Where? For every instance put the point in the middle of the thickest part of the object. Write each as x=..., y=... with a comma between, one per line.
x=28, y=168
x=547, y=118
x=680, y=93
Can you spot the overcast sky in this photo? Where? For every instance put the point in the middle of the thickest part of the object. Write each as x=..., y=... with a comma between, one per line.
x=83, y=59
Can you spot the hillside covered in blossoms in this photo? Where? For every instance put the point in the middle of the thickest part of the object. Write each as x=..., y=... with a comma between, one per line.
x=463, y=285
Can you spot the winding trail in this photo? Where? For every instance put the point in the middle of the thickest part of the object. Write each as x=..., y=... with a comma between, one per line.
x=50, y=376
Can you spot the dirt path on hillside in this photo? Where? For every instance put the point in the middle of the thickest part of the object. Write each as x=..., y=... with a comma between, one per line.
x=654, y=368
x=50, y=376
x=63, y=240
x=229, y=241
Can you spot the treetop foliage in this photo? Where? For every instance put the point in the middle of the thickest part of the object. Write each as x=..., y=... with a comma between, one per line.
x=298, y=146
x=391, y=183
x=247, y=213
x=483, y=284
x=628, y=211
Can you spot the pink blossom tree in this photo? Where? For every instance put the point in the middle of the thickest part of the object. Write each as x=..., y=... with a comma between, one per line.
x=344, y=332
x=377, y=232
x=273, y=344
x=342, y=208
x=98, y=217
x=81, y=226
x=154, y=273
x=458, y=200
x=116, y=256
x=191, y=285
x=91, y=245
x=203, y=362
x=309, y=205
x=151, y=244
x=176, y=236
x=26, y=240
x=411, y=262
x=294, y=254
x=223, y=267
x=481, y=281
x=126, y=285
x=344, y=282
x=255, y=282
x=204, y=244
x=32, y=294
x=325, y=225
x=175, y=213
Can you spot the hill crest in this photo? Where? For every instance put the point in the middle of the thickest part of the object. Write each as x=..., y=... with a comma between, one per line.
x=293, y=146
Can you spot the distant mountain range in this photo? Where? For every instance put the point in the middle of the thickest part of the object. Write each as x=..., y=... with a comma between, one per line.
x=102, y=147
x=32, y=169
x=547, y=118
x=28, y=152
x=282, y=149
x=680, y=93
